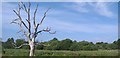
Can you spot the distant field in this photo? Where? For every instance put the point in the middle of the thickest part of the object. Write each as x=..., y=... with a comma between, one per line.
x=22, y=52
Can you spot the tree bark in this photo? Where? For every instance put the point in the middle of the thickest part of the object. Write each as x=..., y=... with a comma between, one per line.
x=32, y=48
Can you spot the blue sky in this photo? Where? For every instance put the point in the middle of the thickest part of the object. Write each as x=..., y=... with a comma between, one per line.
x=90, y=21
x=61, y=0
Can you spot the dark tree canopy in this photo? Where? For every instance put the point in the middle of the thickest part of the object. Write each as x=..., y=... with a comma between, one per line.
x=65, y=44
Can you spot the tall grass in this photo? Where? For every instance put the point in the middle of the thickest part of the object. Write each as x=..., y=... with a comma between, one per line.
x=23, y=52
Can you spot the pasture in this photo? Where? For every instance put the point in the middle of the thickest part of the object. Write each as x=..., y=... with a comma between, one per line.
x=23, y=52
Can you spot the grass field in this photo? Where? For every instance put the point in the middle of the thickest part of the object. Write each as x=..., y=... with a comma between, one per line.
x=22, y=52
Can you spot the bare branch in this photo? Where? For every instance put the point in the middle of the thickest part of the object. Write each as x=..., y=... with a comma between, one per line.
x=23, y=31
x=34, y=22
x=29, y=7
x=16, y=19
x=29, y=23
x=52, y=32
x=13, y=22
x=39, y=32
x=44, y=16
x=40, y=22
x=45, y=30
x=20, y=26
x=24, y=7
x=48, y=30
x=20, y=19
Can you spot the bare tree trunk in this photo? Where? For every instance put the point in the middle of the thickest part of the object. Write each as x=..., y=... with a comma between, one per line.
x=32, y=48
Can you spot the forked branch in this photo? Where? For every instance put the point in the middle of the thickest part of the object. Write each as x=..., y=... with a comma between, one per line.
x=41, y=20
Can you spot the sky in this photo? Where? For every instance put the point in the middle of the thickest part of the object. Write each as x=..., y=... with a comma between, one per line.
x=90, y=21
x=0, y=20
x=61, y=0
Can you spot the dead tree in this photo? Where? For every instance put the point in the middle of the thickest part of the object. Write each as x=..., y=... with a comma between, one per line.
x=26, y=28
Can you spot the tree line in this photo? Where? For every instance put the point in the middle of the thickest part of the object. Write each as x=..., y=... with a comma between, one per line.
x=66, y=44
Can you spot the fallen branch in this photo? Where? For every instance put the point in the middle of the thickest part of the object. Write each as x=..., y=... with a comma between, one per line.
x=20, y=45
x=42, y=44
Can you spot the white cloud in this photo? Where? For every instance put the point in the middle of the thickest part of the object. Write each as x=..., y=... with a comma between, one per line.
x=94, y=0
x=100, y=8
x=82, y=27
x=80, y=7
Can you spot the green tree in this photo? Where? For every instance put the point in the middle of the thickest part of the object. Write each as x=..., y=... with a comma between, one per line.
x=8, y=44
x=118, y=43
x=75, y=46
x=84, y=45
x=64, y=44
x=112, y=46
x=53, y=44
x=100, y=45
x=20, y=42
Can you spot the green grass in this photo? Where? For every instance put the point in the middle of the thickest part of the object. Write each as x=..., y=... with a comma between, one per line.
x=22, y=52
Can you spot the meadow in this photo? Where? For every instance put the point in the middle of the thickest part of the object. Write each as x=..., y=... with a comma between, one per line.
x=25, y=52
